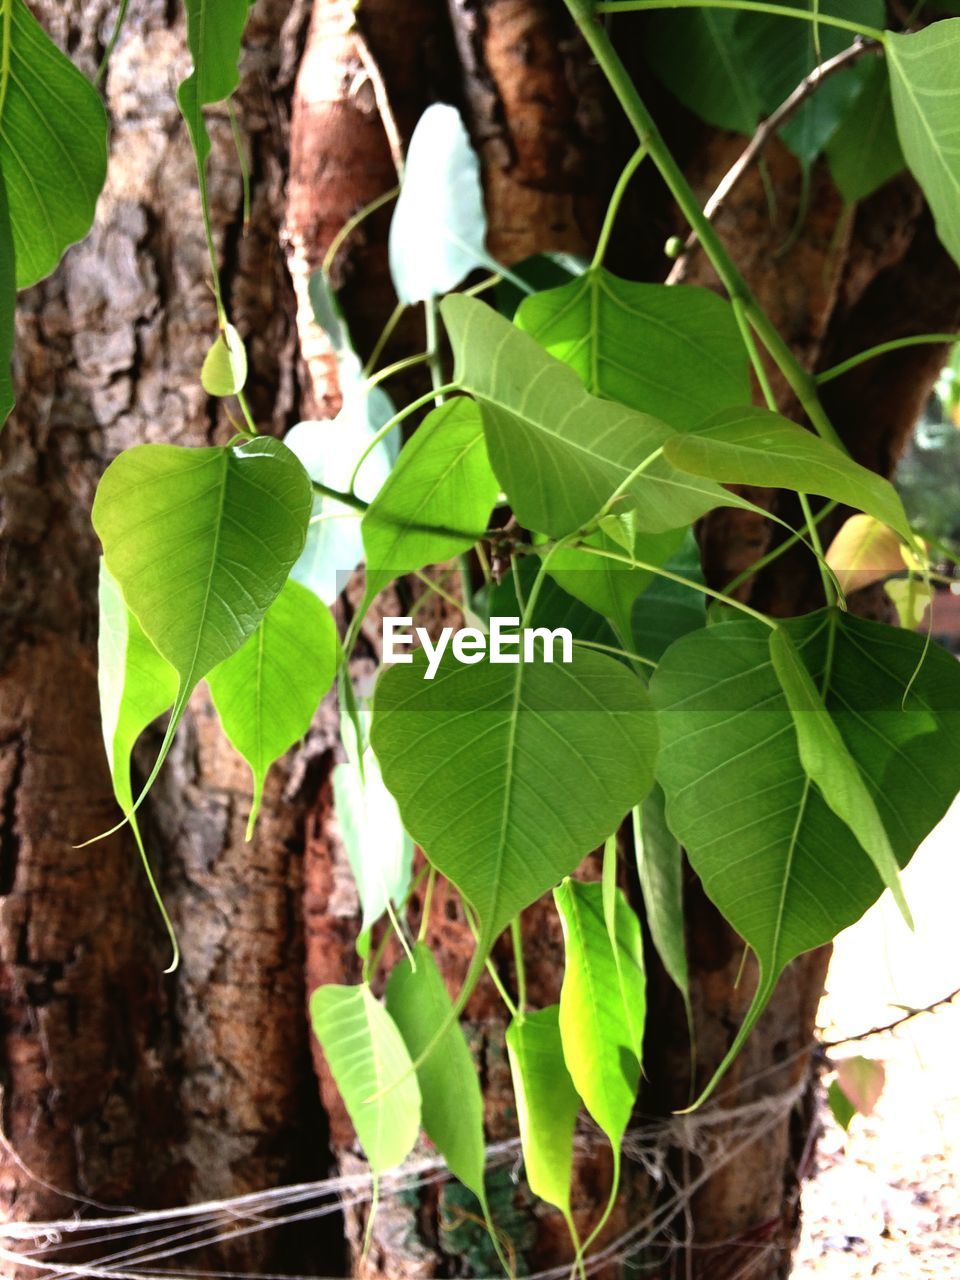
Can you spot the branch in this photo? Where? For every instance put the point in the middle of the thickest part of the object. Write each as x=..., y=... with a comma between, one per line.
x=765, y=131
x=891, y=1026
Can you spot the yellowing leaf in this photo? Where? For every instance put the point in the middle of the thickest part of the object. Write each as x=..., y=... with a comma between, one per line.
x=864, y=551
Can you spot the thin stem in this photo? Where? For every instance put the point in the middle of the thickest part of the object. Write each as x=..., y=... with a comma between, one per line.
x=502, y=991
x=516, y=937
x=749, y=6
x=427, y=903
x=373, y=963
x=247, y=415
x=881, y=349
x=395, y=421
x=609, y=648
x=809, y=524
x=430, y=316
x=489, y=282
x=649, y=135
x=436, y=588
x=613, y=208
x=241, y=161
x=386, y=333
x=777, y=552
x=111, y=43
x=398, y=366
x=351, y=225
x=348, y=499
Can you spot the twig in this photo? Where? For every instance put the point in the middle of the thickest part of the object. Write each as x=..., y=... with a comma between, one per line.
x=765, y=131
x=891, y=1026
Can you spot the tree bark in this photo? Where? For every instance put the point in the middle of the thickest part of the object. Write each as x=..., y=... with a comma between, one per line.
x=124, y=1086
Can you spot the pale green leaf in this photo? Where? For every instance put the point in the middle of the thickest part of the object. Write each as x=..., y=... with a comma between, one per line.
x=667, y=610
x=560, y=453
x=547, y=1104
x=781, y=867
x=224, y=371
x=214, y=32
x=507, y=776
x=437, y=500
x=926, y=105
x=602, y=1003
x=864, y=153
x=755, y=446
x=675, y=353
x=372, y=1069
x=660, y=871
x=53, y=144
x=439, y=224
x=452, y=1103
x=266, y=692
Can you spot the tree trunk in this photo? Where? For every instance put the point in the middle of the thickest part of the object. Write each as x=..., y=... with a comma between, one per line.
x=126, y=1087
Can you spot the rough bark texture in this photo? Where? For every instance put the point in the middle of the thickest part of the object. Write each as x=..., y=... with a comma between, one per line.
x=122, y=1085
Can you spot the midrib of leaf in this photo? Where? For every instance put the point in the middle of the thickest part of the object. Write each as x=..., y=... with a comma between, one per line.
x=407, y=525
x=921, y=114
x=6, y=20
x=202, y=616
x=710, y=21
x=487, y=940
x=594, y=1001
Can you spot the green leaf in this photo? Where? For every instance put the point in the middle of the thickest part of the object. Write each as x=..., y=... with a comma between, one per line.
x=668, y=610
x=841, y=1108
x=418, y=1001
x=507, y=776
x=439, y=224
x=437, y=500
x=926, y=101
x=602, y=1004
x=559, y=452
x=699, y=56
x=755, y=446
x=828, y=763
x=379, y=850
x=547, y=1104
x=53, y=144
x=214, y=32
x=8, y=306
x=554, y=607
x=675, y=353
x=864, y=153
x=660, y=870
x=224, y=371
x=372, y=1069
x=781, y=867
x=539, y=271
x=266, y=692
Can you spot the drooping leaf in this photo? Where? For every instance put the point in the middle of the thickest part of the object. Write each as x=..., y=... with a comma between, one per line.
x=372, y=1069
x=224, y=371
x=755, y=446
x=781, y=867
x=439, y=224
x=829, y=765
x=437, y=500
x=864, y=551
x=675, y=353
x=602, y=1004
x=862, y=1080
x=266, y=692
x=329, y=451
x=53, y=145
x=841, y=1108
x=926, y=100
x=518, y=772
x=699, y=56
x=539, y=271
x=864, y=153
x=417, y=1000
x=8, y=305
x=660, y=871
x=379, y=850
x=559, y=452
x=547, y=1104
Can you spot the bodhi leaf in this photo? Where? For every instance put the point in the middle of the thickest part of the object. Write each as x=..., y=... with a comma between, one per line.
x=418, y=1001
x=201, y=541
x=602, y=1004
x=547, y=1104
x=372, y=1069
x=224, y=371
x=755, y=446
x=8, y=306
x=267, y=692
x=517, y=772
x=864, y=551
x=926, y=101
x=560, y=453
x=660, y=871
x=672, y=352
x=436, y=501
x=667, y=610
x=781, y=867
x=439, y=224
x=864, y=153
x=540, y=271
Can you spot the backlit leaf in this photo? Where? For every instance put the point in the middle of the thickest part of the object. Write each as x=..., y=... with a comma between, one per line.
x=418, y=1001
x=372, y=1069
x=864, y=551
x=862, y=1080
x=267, y=692
x=660, y=871
x=224, y=369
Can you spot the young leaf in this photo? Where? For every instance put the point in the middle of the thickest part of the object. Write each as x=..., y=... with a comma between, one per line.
x=439, y=224
x=660, y=870
x=781, y=867
x=53, y=145
x=436, y=501
x=519, y=771
x=861, y=1080
x=224, y=371
x=841, y=1108
x=926, y=100
x=755, y=446
x=864, y=551
x=602, y=1004
x=675, y=353
x=864, y=153
x=417, y=1000
x=560, y=453
x=8, y=305
x=372, y=1069
x=266, y=692
x=547, y=1104
x=827, y=762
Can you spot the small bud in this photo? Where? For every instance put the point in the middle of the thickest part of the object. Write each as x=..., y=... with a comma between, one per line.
x=674, y=247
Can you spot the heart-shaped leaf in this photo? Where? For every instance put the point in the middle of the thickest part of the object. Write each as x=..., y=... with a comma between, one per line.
x=660, y=871
x=224, y=369
x=864, y=551
x=864, y=153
